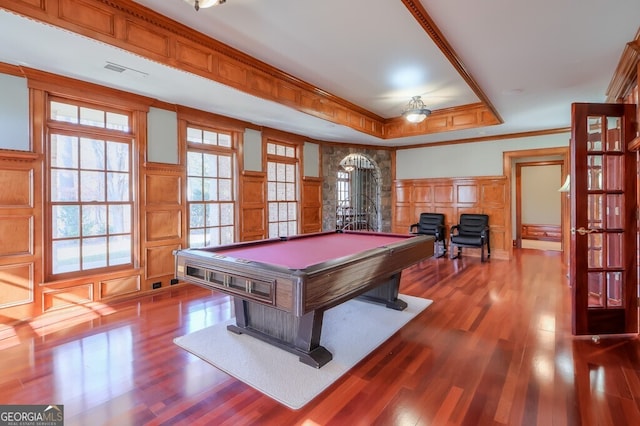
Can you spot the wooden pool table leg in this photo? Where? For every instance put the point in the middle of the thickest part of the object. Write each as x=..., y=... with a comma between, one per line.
x=298, y=335
x=387, y=294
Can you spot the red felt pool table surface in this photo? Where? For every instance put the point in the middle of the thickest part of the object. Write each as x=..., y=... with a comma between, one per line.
x=303, y=252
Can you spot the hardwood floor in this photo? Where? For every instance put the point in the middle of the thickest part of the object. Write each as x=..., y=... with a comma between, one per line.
x=495, y=348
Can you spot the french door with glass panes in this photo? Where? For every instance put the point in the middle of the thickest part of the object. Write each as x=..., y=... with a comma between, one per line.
x=604, y=220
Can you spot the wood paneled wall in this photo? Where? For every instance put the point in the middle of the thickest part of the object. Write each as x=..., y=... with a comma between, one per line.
x=253, y=206
x=452, y=197
x=311, y=205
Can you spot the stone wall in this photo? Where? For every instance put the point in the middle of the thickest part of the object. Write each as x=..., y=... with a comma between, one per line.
x=331, y=156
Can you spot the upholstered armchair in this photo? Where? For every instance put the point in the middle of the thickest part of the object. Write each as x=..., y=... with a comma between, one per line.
x=471, y=231
x=432, y=224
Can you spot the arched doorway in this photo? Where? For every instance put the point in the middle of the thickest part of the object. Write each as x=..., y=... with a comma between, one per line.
x=358, y=194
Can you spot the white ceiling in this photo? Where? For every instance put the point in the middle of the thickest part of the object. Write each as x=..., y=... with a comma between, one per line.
x=531, y=59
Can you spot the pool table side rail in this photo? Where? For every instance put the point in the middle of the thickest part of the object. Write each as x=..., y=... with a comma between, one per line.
x=298, y=292
x=336, y=281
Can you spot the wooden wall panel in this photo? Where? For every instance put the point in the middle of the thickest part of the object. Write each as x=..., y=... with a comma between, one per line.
x=252, y=214
x=311, y=205
x=16, y=284
x=16, y=188
x=163, y=189
x=160, y=263
x=67, y=297
x=119, y=286
x=163, y=225
x=17, y=235
x=87, y=15
x=453, y=197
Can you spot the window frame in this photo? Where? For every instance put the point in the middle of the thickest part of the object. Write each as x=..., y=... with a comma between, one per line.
x=287, y=160
x=217, y=150
x=54, y=127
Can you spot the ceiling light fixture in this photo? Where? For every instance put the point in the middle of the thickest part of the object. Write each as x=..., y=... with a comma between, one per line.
x=204, y=3
x=416, y=111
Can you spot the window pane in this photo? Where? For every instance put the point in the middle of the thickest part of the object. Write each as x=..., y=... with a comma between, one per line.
x=271, y=171
x=66, y=256
x=225, y=166
x=94, y=220
x=196, y=215
x=194, y=189
x=210, y=166
x=117, y=186
x=64, y=151
x=92, y=117
x=290, y=190
x=225, y=191
x=282, y=211
x=290, y=175
x=210, y=138
x=213, y=237
x=196, y=238
x=273, y=212
x=271, y=148
x=194, y=164
x=194, y=135
x=271, y=191
x=92, y=154
x=66, y=221
x=120, y=250
x=226, y=214
x=226, y=235
x=119, y=219
x=92, y=186
x=210, y=189
x=94, y=253
x=64, y=185
x=273, y=229
x=64, y=112
x=118, y=121
x=213, y=214
x=224, y=140
x=117, y=157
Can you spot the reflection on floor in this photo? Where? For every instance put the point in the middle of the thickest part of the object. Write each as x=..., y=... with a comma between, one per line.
x=541, y=245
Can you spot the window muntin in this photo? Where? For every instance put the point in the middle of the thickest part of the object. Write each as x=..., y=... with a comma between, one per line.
x=90, y=188
x=210, y=187
x=282, y=194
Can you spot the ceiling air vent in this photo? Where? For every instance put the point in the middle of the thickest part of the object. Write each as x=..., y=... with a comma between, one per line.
x=124, y=70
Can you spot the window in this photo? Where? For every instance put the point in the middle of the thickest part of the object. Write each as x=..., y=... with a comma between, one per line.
x=90, y=187
x=210, y=193
x=282, y=198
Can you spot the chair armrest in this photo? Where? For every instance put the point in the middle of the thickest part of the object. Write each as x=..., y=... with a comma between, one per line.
x=454, y=228
x=412, y=227
x=440, y=232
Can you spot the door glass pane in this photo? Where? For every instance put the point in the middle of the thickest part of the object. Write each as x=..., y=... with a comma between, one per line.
x=614, y=289
x=613, y=134
x=596, y=285
x=614, y=172
x=594, y=133
x=594, y=247
x=594, y=212
x=615, y=206
x=614, y=250
x=594, y=172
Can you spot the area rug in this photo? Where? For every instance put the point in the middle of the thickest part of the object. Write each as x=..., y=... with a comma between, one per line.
x=350, y=331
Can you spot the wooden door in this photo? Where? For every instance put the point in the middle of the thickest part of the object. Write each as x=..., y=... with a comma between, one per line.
x=604, y=224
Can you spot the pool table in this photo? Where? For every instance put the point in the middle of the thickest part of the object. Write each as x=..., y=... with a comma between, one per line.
x=281, y=287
